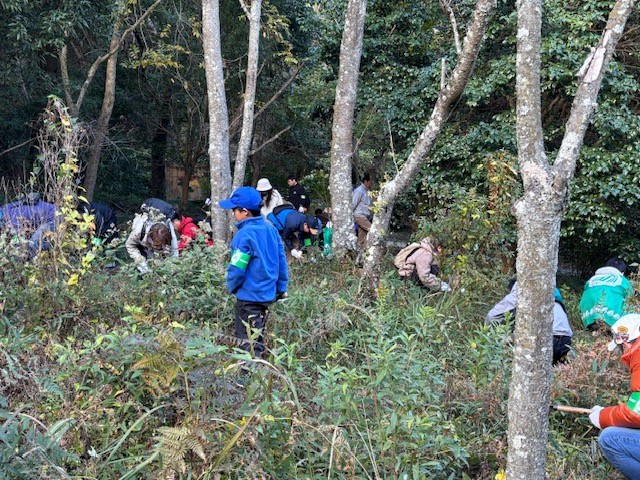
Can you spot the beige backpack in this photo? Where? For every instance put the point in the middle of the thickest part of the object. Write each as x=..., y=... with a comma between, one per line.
x=401, y=258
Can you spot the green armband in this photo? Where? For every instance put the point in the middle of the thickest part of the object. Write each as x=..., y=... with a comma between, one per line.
x=634, y=402
x=240, y=259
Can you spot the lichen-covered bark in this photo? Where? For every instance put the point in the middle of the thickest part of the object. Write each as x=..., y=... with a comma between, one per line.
x=342, y=133
x=218, y=119
x=539, y=214
x=585, y=100
x=249, y=94
x=447, y=99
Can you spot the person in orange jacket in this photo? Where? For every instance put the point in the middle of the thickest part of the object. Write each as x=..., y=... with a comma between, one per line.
x=620, y=424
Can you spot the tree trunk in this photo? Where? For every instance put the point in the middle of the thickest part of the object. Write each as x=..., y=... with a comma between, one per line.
x=95, y=150
x=100, y=132
x=220, y=169
x=158, y=150
x=250, y=92
x=447, y=99
x=539, y=214
x=342, y=132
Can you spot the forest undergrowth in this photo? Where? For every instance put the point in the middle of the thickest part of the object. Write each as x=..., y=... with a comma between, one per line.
x=108, y=376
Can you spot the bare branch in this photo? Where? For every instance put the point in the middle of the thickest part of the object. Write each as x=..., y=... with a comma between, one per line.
x=100, y=60
x=245, y=7
x=15, y=147
x=446, y=6
x=282, y=88
x=272, y=139
x=274, y=97
x=64, y=72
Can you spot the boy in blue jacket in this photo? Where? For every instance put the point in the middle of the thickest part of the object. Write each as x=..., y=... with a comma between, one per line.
x=257, y=273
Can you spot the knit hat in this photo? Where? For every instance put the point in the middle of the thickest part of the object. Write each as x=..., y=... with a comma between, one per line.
x=264, y=185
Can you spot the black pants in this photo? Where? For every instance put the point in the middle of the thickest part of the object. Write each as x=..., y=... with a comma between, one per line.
x=561, y=344
x=251, y=316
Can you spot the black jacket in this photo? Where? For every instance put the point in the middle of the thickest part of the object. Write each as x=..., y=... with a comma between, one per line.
x=104, y=218
x=298, y=196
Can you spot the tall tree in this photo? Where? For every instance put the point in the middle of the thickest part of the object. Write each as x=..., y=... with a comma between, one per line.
x=342, y=132
x=246, y=135
x=539, y=214
x=218, y=118
x=446, y=101
x=111, y=57
x=102, y=125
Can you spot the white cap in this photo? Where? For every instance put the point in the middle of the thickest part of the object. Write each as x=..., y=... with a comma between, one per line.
x=627, y=324
x=263, y=185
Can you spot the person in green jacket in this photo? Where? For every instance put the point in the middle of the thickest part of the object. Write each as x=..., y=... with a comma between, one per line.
x=605, y=294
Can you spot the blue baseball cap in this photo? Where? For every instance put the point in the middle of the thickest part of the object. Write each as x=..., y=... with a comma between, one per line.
x=243, y=197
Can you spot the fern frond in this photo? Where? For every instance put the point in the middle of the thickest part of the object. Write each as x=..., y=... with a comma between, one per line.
x=175, y=442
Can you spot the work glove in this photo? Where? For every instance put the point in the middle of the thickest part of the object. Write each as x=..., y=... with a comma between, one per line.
x=296, y=253
x=444, y=287
x=143, y=268
x=594, y=416
x=281, y=297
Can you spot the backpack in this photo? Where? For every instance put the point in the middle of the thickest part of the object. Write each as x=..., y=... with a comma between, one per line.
x=157, y=211
x=401, y=258
x=154, y=207
x=280, y=214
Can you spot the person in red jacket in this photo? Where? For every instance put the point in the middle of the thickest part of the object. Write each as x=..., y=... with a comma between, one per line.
x=187, y=231
x=620, y=424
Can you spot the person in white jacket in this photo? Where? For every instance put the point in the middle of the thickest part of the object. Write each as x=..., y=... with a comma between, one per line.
x=271, y=198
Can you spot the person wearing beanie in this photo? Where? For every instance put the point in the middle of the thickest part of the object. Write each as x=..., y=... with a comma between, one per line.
x=257, y=272
x=271, y=198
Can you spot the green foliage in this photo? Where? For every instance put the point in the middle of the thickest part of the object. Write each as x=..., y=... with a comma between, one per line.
x=104, y=375
x=412, y=386
x=600, y=219
x=477, y=230
x=30, y=449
